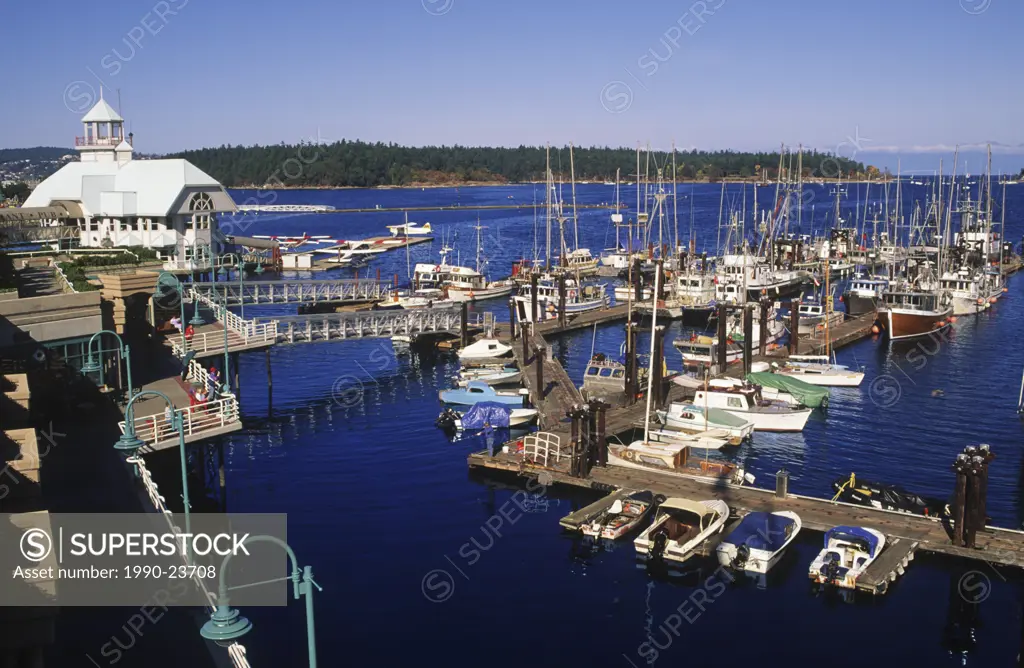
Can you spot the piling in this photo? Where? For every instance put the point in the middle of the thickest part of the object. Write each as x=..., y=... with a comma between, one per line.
x=631, y=367
x=533, y=297
x=539, y=358
x=464, y=324
x=762, y=346
x=658, y=366
x=234, y=367
x=794, y=327
x=526, y=344
x=602, y=440
x=574, y=416
x=723, y=360
x=512, y=318
x=561, y=299
x=748, y=339
x=987, y=457
x=959, y=498
x=782, y=483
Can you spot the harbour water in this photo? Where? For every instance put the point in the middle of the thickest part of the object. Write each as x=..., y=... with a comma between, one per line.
x=419, y=561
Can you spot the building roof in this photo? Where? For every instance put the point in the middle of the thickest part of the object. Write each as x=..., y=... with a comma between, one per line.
x=154, y=185
x=102, y=113
x=124, y=146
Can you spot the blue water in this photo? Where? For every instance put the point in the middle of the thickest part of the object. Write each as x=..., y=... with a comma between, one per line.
x=419, y=562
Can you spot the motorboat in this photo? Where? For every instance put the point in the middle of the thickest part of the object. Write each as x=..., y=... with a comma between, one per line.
x=747, y=401
x=757, y=543
x=475, y=289
x=681, y=527
x=913, y=312
x=580, y=262
x=477, y=391
x=813, y=317
x=415, y=299
x=626, y=292
x=505, y=375
x=818, y=370
x=700, y=350
x=484, y=415
x=621, y=517
x=791, y=390
x=885, y=497
x=485, y=350
x=848, y=552
x=691, y=418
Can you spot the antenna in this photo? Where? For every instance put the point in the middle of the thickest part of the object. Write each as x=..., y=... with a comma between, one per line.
x=119, y=103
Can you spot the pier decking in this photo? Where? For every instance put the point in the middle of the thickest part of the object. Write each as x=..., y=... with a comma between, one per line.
x=306, y=291
x=370, y=323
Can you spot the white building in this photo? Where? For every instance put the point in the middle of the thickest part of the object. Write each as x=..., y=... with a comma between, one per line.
x=166, y=205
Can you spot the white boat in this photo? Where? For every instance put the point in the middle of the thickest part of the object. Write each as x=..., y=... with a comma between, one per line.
x=750, y=403
x=703, y=350
x=507, y=375
x=517, y=417
x=621, y=517
x=819, y=372
x=485, y=350
x=813, y=317
x=467, y=285
x=691, y=418
x=707, y=439
x=580, y=262
x=847, y=554
x=625, y=292
x=409, y=230
x=757, y=543
x=424, y=298
x=680, y=528
x=578, y=299
x=970, y=292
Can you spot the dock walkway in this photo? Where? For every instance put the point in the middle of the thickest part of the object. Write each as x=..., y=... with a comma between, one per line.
x=558, y=394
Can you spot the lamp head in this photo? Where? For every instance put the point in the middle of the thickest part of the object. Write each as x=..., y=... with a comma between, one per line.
x=259, y=269
x=91, y=365
x=129, y=443
x=225, y=626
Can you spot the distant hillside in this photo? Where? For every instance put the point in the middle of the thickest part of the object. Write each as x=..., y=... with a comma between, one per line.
x=34, y=154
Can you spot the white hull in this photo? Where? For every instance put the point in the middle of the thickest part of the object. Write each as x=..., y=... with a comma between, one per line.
x=823, y=375
x=760, y=561
x=624, y=292
x=963, y=305
x=499, y=378
x=517, y=418
x=775, y=421
x=682, y=552
x=849, y=579
x=459, y=294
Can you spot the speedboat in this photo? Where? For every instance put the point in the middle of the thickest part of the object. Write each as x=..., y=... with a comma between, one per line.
x=818, y=372
x=485, y=350
x=623, y=516
x=847, y=554
x=681, y=527
x=690, y=418
x=758, y=541
x=505, y=375
x=477, y=391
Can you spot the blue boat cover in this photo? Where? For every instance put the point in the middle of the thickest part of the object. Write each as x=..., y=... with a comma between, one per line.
x=855, y=533
x=486, y=414
x=761, y=531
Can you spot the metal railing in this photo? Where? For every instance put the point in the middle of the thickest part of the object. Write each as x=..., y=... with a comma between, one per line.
x=236, y=651
x=62, y=280
x=299, y=291
x=154, y=429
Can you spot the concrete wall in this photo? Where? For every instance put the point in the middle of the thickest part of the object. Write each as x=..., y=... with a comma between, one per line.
x=50, y=318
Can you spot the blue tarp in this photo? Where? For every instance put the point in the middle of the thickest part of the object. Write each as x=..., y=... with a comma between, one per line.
x=853, y=533
x=761, y=531
x=486, y=414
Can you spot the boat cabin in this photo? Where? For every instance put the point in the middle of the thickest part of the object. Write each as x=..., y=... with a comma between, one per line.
x=868, y=287
x=684, y=520
x=916, y=301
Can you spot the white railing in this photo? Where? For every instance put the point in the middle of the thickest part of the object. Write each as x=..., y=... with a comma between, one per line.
x=235, y=651
x=249, y=330
x=62, y=279
x=154, y=429
x=198, y=374
x=542, y=447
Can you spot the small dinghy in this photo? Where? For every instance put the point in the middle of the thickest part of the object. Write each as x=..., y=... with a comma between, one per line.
x=485, y=350
x=477, y=391
x=680, y=528
x=505, y=375
x=758, y=541
x=691, y=419
x=847, y=554
x=622, y=517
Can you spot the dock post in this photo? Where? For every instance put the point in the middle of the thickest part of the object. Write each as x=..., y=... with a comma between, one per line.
x=794, y=327
x=533, y=298
x=748, y=339
x=762, y=347
x=658, y=365
x=602, y=441
x=659, y=280
x=575, y=441
x=561, y=300
x=525, y=336
x=234, y=367
x=723, y=312
x=631, y=368
x=222, y=478
x=782, y=483
x=464, y=324
x=270, y=377
x=959, y=498
x=972, y=498
x=539, y=358
x=987, y=456
x=512, y=318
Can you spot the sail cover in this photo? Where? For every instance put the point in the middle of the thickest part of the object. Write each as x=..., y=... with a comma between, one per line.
x=809, y=395
x=853, y=533
x=486, y=414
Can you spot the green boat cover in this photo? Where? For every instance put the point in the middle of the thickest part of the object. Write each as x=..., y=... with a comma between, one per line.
x=809, y=395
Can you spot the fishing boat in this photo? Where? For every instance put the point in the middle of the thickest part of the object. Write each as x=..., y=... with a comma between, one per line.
x=505, y=375
x=699, y=350
x=847, y=554
x=465, y=285
x=605, y=378
x=885, y=497
x=818, y=370
x=621, y=517
x=864, y=294
x=814, y=315
x=968, y=290
x=906, y=314
x=691, y=418
x=758, y=542
x=578, y=299
x=478, y=391
x=485, y=350
x=625, y=292
x=681, y=527
x=748, y=403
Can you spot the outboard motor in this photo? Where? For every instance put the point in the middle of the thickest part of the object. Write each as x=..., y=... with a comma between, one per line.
x=446, y=420
x=660, y=542
x=832, y=572
x=742, y=554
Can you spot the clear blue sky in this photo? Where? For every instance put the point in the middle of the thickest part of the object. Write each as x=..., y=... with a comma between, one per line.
x=907, y=77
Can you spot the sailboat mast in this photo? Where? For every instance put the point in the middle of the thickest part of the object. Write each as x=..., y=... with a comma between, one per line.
x=478, y=228
x=572, y=178
x=675, y=199
x=548, y=185
x=800, y=179
x=650, y=364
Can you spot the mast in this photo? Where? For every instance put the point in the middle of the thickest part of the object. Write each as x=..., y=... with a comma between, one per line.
x=800, y=178
x=478, y=228
x=650, y=363
x=572, y=178
x=548, y=185
x=675, y=199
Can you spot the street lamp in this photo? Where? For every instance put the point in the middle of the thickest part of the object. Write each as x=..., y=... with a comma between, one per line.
x=227, y=625
x=181, y=302
x=92, y=366
x=130, y=444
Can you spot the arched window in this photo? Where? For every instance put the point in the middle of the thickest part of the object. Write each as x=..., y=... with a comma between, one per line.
x=201, y=207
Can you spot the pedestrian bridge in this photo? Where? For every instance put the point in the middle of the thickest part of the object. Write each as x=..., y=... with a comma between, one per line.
x=369, y=324
x=201, y=421
x=294, y=291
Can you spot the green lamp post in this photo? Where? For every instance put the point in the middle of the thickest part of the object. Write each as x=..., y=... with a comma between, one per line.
x=92, y=365
x=226, y=624
x=181, y=300
x=129, y=444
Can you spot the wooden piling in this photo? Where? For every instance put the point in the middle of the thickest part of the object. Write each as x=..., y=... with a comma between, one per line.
x=762, y=345
x=464, y=324
x=602, y=439
x=959, y=499
x=658, y=366
x=561, y=299
x=512, y=318
x=638, y=294
x=533, y=298
x=538, y=357
x=723, y=360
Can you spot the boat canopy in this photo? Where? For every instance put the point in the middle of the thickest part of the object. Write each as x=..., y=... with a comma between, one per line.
x=854, y=534
x=809, y=395
x=486, y=414
x=761, y=531
x=695, y=507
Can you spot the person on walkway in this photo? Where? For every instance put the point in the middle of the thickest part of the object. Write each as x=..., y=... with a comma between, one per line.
x=213, y=379
x=176, y=323
x=189, y=333
x=169, y=417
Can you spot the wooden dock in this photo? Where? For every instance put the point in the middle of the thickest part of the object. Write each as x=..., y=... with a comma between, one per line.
x=907, y=532
x=558, y=393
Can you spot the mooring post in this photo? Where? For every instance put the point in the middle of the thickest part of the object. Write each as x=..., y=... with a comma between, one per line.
x=525, y=336
x=794, y=327
x=602, y=440
x=561, y=300
x=959, y=498
x=533, y=298
x=539, y=357
x=782, y=483
x=222, y=478
x=971, y=506
x=748, y=339
x=659, y=365
x=234, y=367
x=574, y=415
x=762, y=346
x=464, y=324
x=512, y=318
x=270, y=376
x=987, y=456
x=723, y=312
x=631, y=367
